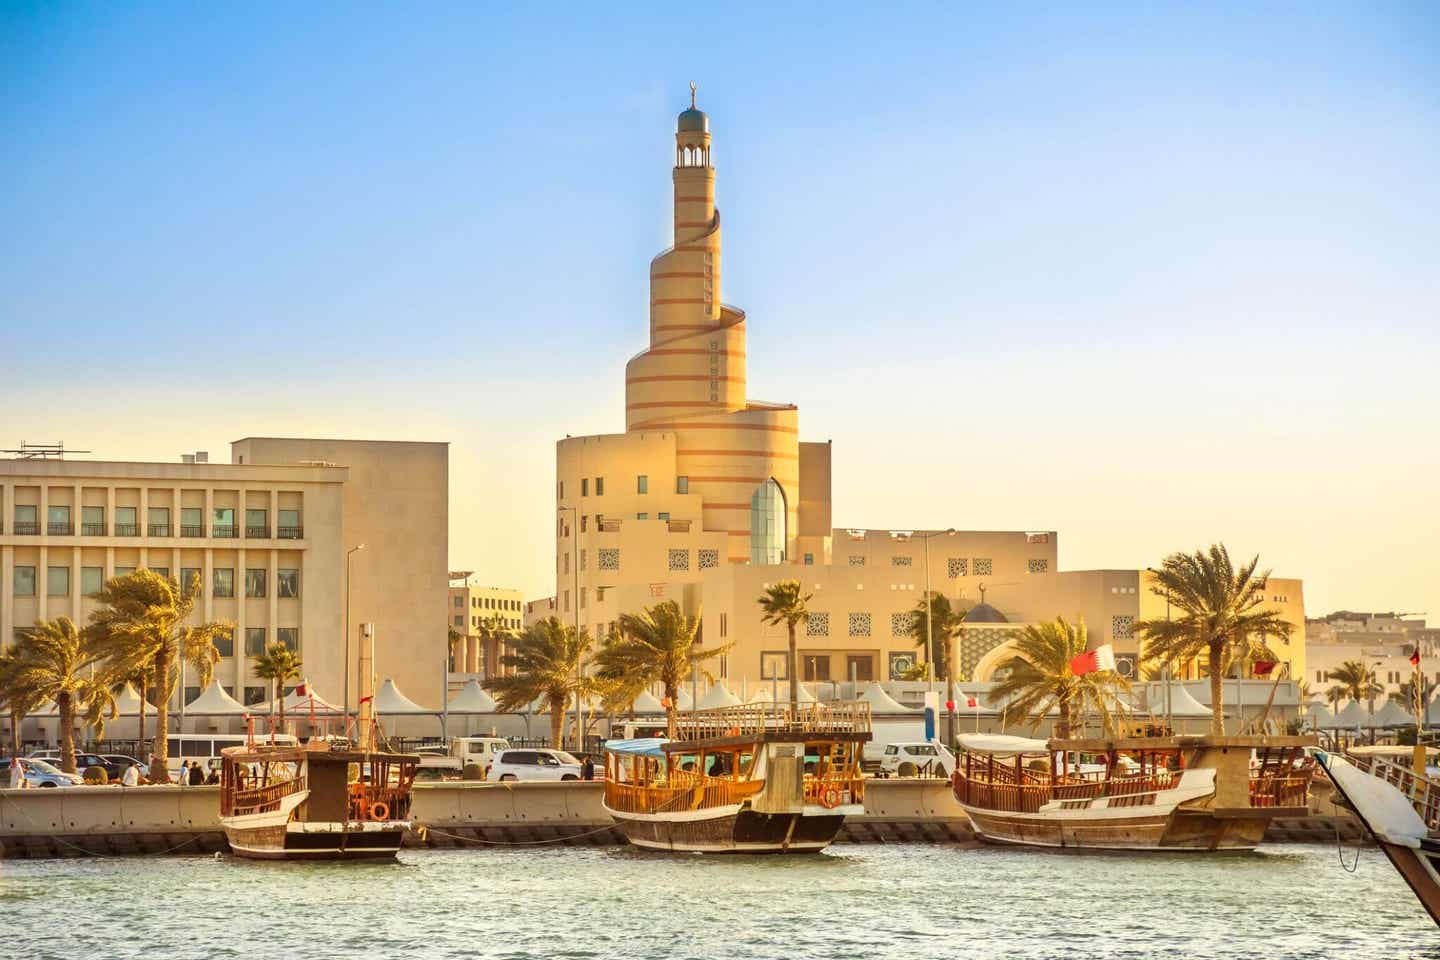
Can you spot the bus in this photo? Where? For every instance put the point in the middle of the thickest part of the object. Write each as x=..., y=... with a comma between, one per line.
x=206, y=748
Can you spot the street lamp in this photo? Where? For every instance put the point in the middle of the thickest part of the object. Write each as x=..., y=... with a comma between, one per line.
x=575, y=598
x=348, y=554
x=930, y=638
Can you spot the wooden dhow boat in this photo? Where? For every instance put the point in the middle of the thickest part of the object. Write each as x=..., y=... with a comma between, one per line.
x=1145, y=793
x=315, y=802
x=747, y=779
x=1400, y=808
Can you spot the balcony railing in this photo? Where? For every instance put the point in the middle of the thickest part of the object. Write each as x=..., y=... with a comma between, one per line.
x=290, y=533
x=226, y=533
x=127, y=529
x=60, y=529
x=192, y=530
x=27, y=528
x=257, y=533
x=159, y=529
x=92, y=529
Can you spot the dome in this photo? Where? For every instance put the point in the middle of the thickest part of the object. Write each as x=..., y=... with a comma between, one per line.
x=982, y=612
x=693, y=121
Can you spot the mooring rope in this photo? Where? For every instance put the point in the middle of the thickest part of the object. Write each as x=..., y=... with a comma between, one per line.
x=515, y=843
x=1340, y=849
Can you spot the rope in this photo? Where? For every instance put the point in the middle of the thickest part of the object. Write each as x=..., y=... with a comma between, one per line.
x=1340, y=850
x=516, y=843
x=92, y=853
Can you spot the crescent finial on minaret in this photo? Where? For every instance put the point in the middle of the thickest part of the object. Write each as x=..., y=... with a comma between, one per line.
x=693, y=85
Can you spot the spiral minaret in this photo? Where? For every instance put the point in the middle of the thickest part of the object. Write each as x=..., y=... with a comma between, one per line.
x=691, y=380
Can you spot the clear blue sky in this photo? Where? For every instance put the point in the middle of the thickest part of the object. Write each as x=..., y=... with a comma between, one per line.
x=1150, y=275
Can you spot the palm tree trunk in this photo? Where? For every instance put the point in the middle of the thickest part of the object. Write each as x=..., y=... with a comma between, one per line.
x=16, y=718
x=160, y=754
x=671, y=714
x=794, y=674
x=1064, y=732
x=65, y=705
x=280, y=703
x=557, y=722
x=140, y=736
x=1217, y=690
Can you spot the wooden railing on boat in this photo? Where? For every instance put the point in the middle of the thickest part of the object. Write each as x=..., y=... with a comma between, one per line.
x=1422, y=792
x=691, y=792
x=244, y=801
x=747, y=720
x=849, y=788
x=364, y=796
x=1000, y=791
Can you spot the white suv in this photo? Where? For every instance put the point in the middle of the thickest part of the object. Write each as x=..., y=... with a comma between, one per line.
x=534, y=765
x=923, y=759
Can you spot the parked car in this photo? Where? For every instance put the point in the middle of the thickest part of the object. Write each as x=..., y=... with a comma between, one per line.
x=83, y=761
x=121, y=761
x=40, y=773
x=918, y=758
x=534, y=765
x=463, y=751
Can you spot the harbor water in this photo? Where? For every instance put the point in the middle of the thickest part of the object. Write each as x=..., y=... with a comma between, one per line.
x=853, y=901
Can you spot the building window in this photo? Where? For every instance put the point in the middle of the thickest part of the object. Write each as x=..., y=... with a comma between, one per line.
x=682, y=484
x=901, y=624
x=127, y=522
x=459, y=620
x=287, y=584
x=982, y=567
x=642, y=516
x=773, y=665
x=857, y=560
x=222, y=522
x=124, y=571
x=289, y=527
x=58, y=521
x=159, y=521
x=254, y=641
x=583, y=591
x=901, y=664
x=189, y=577
x=607, y=558
x=955, y=567
x=255, y=582
x=459, y=600
x=560, y=490
x=192, y=522
x=26, y=523
x=92, y=580
x=161, y=572
x=567, y=601
x=679, y=560
x=642, y=484
x=767, y=524
x=290, y=636
x=859, y=624
x=599, y=486
x=254, y=695
x=815, y=666
x=57, y=584
x=584, y=519
x=92, y=521
x=708, y=558
x=584, y=559
x=1037, y=566
x=662, y=516
x=225, y=644
x=584, y=486
x=818, y=625
x=257, y=524
x=566, y=564
x=1122, y=627
x=809, y=559
x=901, y=561
x=224, y=585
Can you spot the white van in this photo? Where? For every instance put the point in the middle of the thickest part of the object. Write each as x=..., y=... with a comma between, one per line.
x=463, y=752
x=206, y=747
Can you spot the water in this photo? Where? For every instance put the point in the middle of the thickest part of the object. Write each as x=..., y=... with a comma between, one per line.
x=854, y=901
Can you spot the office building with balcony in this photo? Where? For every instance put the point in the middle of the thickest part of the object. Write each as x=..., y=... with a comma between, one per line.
x=475, y=650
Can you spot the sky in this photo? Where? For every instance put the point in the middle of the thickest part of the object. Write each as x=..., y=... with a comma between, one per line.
x=1152, y=276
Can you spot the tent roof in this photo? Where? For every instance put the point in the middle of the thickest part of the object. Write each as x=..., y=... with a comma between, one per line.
x=1321, y=715
x=1392, y=715
x=719, y=696
x=647, y=703
x=882, y=702
x=1002, y=746
x=127, y=702
x=472, y=698
x=683, y=700
x=1352, y=717
x=215, y=702
x=643, y=747
x=1182, y=703
x=764, y=694
x=390, y=701
x=295, y=703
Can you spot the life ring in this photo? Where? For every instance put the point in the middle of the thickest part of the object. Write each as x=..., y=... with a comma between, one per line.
x=379, y=810
x=830, y=799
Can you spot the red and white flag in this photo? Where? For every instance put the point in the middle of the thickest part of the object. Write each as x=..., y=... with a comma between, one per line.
x=301, y=691
x=1263, y=668
x=1101, y=658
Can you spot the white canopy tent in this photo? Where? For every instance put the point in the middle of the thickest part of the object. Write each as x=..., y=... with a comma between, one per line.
x=882, y=702
x=295, y=703
x=718, y=696
x=1182, y=703
x=215, y=702
x=389, y=701
x=472, y=698
x=1392, y=715
x=1353, y=717
x=647, y=702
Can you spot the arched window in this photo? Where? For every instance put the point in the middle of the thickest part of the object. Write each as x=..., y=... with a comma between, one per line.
x=767, y=524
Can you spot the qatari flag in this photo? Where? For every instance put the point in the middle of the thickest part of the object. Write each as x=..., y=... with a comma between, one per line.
x=1101, y=658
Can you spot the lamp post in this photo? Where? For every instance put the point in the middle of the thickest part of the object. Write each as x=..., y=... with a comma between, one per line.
x=345, y=720
x=930, y=640
x=575, y=598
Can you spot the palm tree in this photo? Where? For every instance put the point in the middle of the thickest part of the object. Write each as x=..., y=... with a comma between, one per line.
x=546, y=662
x=144, y=618
x=1221, y=615
x=20, y=701
x=1039, y=678
x=494, y=634
x=660, y=645
x=1333, y=696
x=278, y=664
x=1405, y=696
x=946, y=628
x=141, y=678
x=782, y=603
x=1355, y=681
x=57, y=661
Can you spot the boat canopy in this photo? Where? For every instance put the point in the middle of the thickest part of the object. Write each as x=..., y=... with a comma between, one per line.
x=1390, y=750
x=1002, y=746
x=642, y=747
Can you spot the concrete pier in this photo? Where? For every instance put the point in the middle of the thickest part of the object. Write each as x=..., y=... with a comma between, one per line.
x=112, y=820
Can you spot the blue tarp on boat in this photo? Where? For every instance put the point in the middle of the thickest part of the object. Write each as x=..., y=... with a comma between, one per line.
x=645, y=746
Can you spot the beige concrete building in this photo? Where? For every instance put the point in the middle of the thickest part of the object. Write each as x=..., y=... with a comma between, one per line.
x=266, y=534
x=471, y=606
x=1383, y=642
x=708, y=497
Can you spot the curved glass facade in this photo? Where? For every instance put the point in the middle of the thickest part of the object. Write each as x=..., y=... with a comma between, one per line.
x=767, y=524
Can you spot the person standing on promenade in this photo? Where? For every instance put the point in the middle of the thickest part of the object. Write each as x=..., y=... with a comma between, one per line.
x=197, y=774
x=131, y=776
x=17, y=774
x=587, y=767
